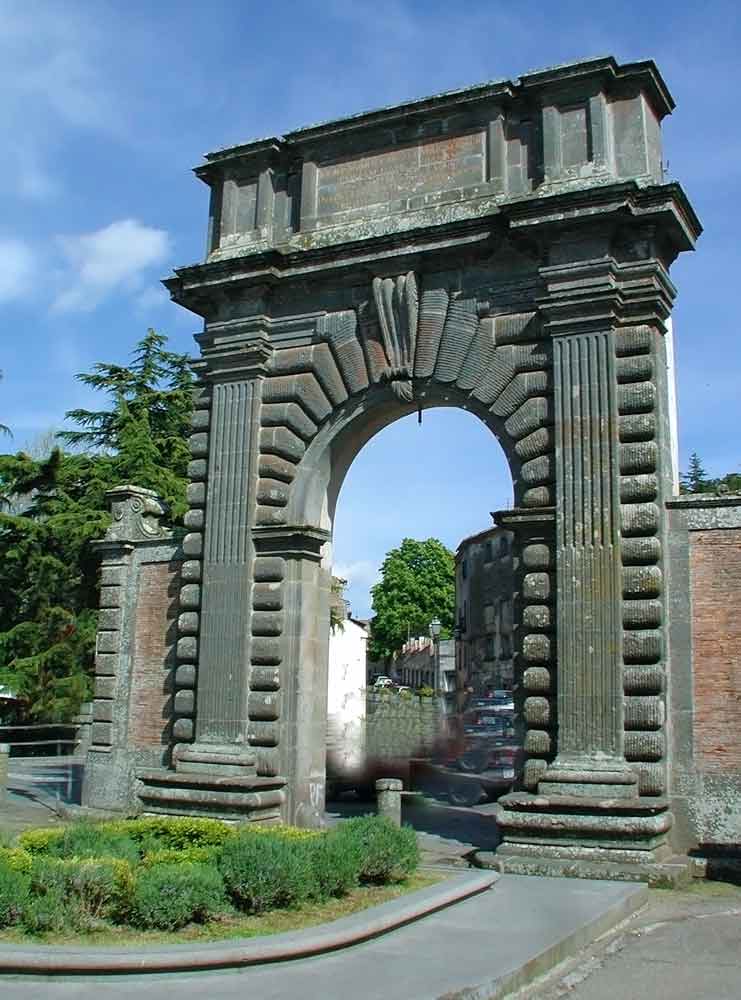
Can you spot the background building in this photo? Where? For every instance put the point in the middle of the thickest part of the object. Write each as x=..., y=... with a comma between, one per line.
x=484, y=594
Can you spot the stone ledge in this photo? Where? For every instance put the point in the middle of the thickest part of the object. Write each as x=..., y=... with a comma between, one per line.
x=341, y=933
x=674, y=873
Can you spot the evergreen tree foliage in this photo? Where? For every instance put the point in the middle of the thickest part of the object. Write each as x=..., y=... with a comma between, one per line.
x=417, y=584
x=48, y=571
x=695, y=480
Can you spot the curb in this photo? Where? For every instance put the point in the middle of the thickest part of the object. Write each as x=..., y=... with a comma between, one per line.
x=239, y=953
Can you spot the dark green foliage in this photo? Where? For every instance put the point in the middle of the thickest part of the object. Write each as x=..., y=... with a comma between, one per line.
x=336, y=863
x=264, y=873
x=167, y=897
x=417, y=584
x=13, y=893
x=55, y=507
x=696, y=479
x=78, y=894
x=388, y=853
x=88, y=840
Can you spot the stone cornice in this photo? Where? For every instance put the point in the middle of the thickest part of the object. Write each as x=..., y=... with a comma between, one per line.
x=536, y=220
x=530, y=86
x=290, y=541
x=601, y=294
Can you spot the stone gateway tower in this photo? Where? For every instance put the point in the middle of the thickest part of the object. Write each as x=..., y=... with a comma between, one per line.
x=505, y=249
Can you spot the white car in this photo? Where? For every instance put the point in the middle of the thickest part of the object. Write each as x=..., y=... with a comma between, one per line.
x=383, y=682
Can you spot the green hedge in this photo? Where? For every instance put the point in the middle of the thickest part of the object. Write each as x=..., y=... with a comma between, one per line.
x=164, y=873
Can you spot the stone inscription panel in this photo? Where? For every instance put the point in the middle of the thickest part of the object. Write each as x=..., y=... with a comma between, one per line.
x=394, y=175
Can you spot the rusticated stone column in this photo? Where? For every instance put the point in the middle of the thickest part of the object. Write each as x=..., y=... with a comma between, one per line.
x=588, y=572
x=227, y=557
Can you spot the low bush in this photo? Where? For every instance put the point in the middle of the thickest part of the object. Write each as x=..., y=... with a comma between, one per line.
x=388, y=853
x=171, y=832
x=181, y=856
x=92, y=840
x=79, y=893
x=336, y=862
x=262, y=873
x=167, y=897
x=16, y=858
x=14, y=886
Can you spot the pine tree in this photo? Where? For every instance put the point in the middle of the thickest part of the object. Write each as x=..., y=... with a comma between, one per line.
x=695, y=480
x=48, y=570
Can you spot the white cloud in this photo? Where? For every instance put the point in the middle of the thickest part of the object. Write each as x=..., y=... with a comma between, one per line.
x=109, y=260
x=361, y=573
x=16, y=269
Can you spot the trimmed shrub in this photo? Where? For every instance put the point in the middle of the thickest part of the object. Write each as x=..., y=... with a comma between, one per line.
x=388, y=853
x=263, y=873
x=91, y=840
x=336, y=863
x=184, y=856
x=167, y=897
x=78, y=893
x=39, y=841
x=16, y=858
x=14, y=887
x=171, y=832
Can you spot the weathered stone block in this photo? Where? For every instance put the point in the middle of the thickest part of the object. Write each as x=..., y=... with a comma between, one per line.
x=110, y=619
x=187, y=648
x=108, y=642
x=200, y=420
x=183, y=729
x=536, y=587
x=190, y=570
x=194, y=519
x=536, y=648
x=267, y=623
x=269, y=569
x=188, y=623
x=185, y=702
x=185, y=675
x=102, y=710
x=536, y=616
x=106, y=664
x=265, y=679
x=537, y=679
x=110, y=597
x=198, y=445
x=190, y=596
x=193, y=544
x=105, y=687
x=196, y=494
x=264, y=706
x=267, y=597
x=198, y=470
x=266, y=652
x=102, y=734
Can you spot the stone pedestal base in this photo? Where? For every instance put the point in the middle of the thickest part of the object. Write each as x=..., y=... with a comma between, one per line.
x=216, y=795
x=583, y=837
x=569, y=827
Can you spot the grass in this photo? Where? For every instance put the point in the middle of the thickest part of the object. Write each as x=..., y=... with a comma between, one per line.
x=236, y=925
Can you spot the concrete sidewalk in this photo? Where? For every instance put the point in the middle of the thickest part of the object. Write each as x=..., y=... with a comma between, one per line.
x=483, y=947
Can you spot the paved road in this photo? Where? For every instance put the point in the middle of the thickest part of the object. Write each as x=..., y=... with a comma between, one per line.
x=684, y=946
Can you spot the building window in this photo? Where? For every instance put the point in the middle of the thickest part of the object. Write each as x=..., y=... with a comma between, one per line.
x=489, y=551
x=464, y=569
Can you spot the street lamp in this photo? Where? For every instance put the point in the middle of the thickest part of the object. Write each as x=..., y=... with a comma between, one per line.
x=435, y=627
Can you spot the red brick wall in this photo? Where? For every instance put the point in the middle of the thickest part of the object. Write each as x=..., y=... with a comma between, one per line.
x=715, y=573
x=150, y=705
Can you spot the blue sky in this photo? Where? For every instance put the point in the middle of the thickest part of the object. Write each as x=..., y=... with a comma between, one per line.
x=107, y=105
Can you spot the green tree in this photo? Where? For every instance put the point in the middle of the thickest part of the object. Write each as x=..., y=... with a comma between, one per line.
x=417, y=584
x=695, y=479
x=48, y=570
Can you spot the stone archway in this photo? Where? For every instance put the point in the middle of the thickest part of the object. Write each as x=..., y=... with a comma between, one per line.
x=505, y=249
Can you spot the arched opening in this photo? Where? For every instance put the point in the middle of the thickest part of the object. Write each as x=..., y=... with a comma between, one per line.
x=398, y=732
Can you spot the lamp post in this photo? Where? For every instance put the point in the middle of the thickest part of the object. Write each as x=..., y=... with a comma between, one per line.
x=435, y=627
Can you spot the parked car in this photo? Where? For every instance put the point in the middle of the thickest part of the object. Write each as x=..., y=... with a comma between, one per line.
x=383, y=682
